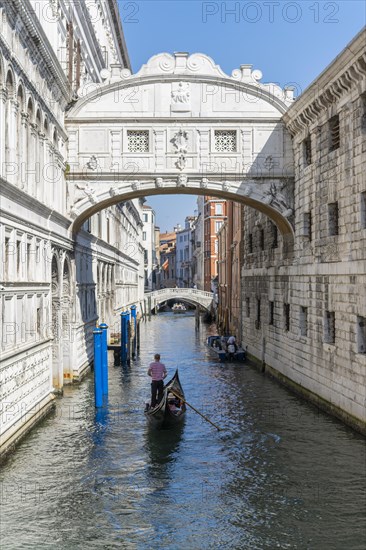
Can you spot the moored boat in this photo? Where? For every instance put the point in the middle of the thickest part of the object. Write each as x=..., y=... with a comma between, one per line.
x=179, y=308
x=171, y=410
x=219, y=345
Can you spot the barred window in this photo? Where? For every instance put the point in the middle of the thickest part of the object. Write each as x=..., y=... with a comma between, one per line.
x=303, y=321
x=225, y=141
x=286, y=315
x=334, y=136
x=271, y=313
x=138, y=141
x=329, y=327
x=333, y=218
x=361, y=334
x=307, y=151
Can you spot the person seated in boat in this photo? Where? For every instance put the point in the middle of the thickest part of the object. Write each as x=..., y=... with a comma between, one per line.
x=174, y=405
x=158, y=372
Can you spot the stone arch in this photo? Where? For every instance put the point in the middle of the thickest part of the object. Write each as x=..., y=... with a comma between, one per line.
x=39, y=118
x=21, y=96
x=10, y=83
x=30, y=109
x=181, y=103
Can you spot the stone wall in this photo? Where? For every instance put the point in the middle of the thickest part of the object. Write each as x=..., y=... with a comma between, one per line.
x=314, y=335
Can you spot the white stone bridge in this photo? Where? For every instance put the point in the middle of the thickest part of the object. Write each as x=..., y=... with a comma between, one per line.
x=192, y=296
x=181, y=125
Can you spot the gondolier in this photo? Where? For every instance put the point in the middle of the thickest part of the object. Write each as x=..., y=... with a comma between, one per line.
x=158, y=372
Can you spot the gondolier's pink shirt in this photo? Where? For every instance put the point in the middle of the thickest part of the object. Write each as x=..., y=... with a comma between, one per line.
x=157, y=371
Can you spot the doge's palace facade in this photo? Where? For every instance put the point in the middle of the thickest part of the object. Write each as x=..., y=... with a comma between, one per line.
x=54, y=288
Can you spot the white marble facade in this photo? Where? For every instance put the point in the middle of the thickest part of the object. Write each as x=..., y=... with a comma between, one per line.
x=55, y=287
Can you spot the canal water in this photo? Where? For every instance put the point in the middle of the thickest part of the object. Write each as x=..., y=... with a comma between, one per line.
x=280, y=474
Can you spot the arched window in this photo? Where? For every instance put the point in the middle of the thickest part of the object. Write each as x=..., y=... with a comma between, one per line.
x=19, y=137
x=10, y=95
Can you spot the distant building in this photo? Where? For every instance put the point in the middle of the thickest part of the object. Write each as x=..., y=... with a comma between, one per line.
x=198, y=246
x=168, y=259
x=230, y=258
x=184, y=254
x=214, y=217
x=148, y=242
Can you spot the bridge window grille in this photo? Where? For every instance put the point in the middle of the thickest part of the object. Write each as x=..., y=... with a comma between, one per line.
x=307, y=151
x=138, y=141
x=334, y=133
x=329, y=327
x=225, y=141
x=361, y=335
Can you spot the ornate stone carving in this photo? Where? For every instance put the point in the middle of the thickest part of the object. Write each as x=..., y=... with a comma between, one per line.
x=276, y=198
x=136, y=185
x=182, y=180
x=92, y=163
x=85, y=190
x=248, y=190
x=226, y=186
x=113, y=191
x=158, y=182
x=181, y=97
x=204, y=183
x=180, y=142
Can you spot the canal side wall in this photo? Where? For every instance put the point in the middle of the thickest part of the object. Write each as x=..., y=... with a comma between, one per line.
x=304, y=311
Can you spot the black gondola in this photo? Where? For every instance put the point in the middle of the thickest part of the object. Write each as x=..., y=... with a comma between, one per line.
x=171, y=410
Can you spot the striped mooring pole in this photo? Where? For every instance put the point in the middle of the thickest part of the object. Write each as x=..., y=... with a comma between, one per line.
x=125, y=318
x=104, y=329
x=134, y=319
x=98, y=389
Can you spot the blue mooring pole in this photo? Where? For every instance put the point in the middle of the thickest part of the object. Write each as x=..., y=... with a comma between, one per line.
x=134, y=318
x=104, y=329
x=125, y=316
x=98, y=390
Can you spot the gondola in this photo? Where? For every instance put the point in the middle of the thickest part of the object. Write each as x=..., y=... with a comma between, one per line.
x=170, y=411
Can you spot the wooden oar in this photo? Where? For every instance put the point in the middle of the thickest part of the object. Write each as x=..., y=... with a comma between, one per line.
x=195, y=410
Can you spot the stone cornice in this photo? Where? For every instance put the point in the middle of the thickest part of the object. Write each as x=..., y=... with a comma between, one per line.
x=12, y=192
x=344, y=73
x=36, y=36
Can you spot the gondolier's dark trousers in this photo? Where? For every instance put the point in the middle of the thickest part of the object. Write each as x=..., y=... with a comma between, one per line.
x=157, y=392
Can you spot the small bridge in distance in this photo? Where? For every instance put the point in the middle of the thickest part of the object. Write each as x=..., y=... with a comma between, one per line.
x=192, y=296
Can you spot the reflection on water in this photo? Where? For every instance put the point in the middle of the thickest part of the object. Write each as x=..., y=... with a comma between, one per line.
x=280, y=474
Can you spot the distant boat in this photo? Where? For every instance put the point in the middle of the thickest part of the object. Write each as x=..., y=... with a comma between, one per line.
x=218, y=344
x=179, y=308
x=171, y=410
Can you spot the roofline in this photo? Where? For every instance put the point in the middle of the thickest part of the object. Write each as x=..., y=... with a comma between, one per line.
x=338, y=65
x=113, y=6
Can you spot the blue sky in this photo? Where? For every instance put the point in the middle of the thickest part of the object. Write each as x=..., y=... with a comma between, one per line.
x=290, y=42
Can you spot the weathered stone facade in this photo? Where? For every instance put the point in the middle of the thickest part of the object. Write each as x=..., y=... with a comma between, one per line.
x=304, y=312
